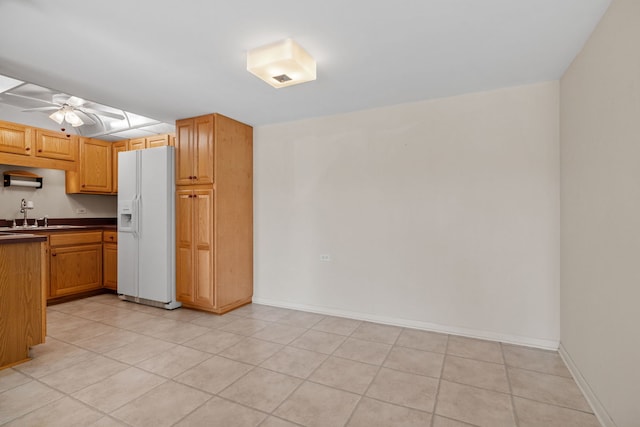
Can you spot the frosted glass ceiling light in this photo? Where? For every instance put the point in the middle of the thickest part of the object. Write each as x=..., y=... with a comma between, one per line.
x=57, y=116
x=73, y=119
x=66, y=114
x=281, y=64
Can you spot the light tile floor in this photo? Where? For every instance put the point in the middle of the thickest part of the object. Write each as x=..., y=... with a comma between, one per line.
x=113, y=363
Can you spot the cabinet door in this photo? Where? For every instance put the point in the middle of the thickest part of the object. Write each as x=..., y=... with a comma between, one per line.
x=203, y=149
x=95, y=166
x=110, y=265
x=184, y=246
x=204, y=247
x=184, y=151
x=157, y=141
x=137, y=144
x=15, y=139
x=55, y=145
x=75, y=269
x=116, y=148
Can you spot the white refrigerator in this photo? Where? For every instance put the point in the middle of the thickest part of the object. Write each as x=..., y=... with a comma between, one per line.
x=146, y=227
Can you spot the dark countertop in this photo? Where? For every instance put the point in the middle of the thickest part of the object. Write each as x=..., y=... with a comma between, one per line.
x=19, y=234
x=55, y=229
x=6, y=238
x=67, y=221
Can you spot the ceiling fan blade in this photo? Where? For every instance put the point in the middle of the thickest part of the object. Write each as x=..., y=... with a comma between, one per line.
x=52, y=108
x=60, y=98
x=74, y=101
x=85, y=118
x=32, y=99
x=103, y=113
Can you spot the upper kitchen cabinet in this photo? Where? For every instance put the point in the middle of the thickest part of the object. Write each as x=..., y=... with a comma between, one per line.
x=158, y=141
x=195, y=150
x=94, y=175
x=55, y=145
x=116, y=148
x=151, y=142
x=137, y=144
x=15, y=139
x=32, y=147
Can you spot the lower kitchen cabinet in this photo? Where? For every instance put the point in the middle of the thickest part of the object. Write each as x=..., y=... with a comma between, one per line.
x=75, y=263
x=194, y=252
x=110, y=260
x=22, y=303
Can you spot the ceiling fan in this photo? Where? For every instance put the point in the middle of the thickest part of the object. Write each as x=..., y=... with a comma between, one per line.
x=72, y=110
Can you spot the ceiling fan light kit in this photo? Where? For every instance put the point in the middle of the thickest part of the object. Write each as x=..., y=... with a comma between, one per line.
x=66, y=114
x=281, y=64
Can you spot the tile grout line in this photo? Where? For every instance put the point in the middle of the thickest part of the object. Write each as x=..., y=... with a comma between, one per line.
x=83, y=312
x=364, y=393
x=513, y=403
x=435, y=399
x=303, y=380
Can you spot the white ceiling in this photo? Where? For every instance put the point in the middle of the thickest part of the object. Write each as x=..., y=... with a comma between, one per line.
x=169, y=59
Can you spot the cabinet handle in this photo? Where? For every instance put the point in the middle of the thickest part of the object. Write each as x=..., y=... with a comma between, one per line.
x=53, y=254
x=27, y=149
x=110, y=237
x=39, y=151
x=83, y=185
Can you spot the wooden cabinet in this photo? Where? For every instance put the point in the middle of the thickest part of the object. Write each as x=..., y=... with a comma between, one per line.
x=158, y=141
x=150, y=142
x=110, y=260
x=214, y=213
x=22, y=303
x=195, y=162
x=39, y=148
x=137, y=144
x=116, y=148
x=194, y=252
x=15, y=139
x=94, y=174
x=75, y=262
x=55, y=145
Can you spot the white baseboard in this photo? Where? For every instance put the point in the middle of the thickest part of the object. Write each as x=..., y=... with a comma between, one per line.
x=597, y=407
x=427, y=326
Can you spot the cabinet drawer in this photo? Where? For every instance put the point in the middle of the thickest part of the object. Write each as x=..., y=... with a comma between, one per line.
x=110, y=236
x=75, y=238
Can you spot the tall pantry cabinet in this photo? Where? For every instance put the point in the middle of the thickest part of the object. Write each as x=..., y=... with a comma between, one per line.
x=214, y=213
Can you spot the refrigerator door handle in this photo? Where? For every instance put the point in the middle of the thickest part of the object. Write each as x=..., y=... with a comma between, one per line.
x=139, y=213
x=134, y=217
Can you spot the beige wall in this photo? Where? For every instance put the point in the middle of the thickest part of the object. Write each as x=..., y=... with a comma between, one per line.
x=51, y=199
x=441, y=214
x=600, y=255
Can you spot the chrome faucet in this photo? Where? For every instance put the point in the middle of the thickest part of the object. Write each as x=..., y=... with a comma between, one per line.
x=24, y=208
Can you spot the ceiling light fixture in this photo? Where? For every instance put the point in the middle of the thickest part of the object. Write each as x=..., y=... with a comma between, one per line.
x=67, y=114
x=7, y=83
x=281, y=64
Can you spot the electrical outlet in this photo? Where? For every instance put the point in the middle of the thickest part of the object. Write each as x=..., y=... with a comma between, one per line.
x=81, y=211
x=325, y=258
